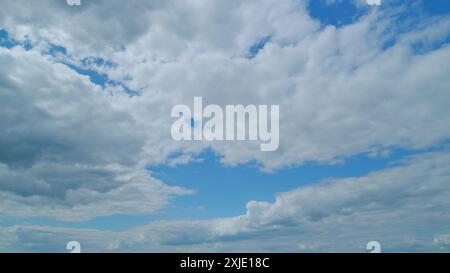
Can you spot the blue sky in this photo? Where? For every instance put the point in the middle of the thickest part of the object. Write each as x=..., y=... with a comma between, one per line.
x=223, y=192
x=145, y=81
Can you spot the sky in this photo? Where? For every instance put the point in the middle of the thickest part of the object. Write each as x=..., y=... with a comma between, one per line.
x=86, y=152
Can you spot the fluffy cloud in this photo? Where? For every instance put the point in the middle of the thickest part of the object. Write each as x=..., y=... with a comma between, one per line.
x=331, y=83
x=72, y=150
x=69, y=149
x=402, y=207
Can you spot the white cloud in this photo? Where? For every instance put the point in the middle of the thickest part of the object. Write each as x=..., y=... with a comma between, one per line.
x=403, y=207
x=72, y=151
x=331, y=84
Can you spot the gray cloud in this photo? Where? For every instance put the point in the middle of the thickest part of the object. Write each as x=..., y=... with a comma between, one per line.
x=66, y=150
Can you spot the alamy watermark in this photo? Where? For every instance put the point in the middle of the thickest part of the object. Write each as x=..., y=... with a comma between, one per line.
x=74, y=247
x=235, y=122
x=374, y=247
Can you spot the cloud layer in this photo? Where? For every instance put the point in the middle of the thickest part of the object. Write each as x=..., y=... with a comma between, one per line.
x=404, y=206
x=72, y=150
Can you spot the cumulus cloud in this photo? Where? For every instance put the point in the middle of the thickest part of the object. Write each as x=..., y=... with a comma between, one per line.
x=402, y=207
x=331, y=83
x=72, y=150
x=69, y=149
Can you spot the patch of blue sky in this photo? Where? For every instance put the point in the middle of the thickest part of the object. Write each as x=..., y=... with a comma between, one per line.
x=435, y=7
x=339, y=13
x=344, y=12
x=412, y=14
x=7, y=42
x=95, y=77
x=87, y=69
x=102, y=79
x=55, y=50
x=223, y=191
x=258, y=46
x=415, y=13
x=422, y=47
